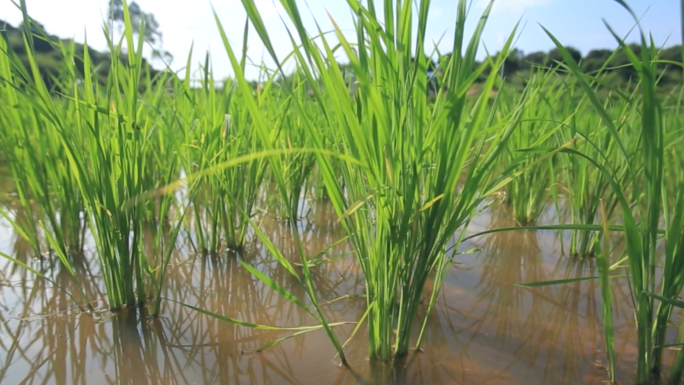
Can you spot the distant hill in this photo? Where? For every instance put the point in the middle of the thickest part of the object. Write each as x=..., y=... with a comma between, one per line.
x=49, y=56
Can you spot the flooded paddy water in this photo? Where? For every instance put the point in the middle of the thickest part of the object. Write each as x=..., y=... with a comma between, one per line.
x=484, y=330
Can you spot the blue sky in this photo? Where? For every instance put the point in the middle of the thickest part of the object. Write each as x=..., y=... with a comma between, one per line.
x=578, y=23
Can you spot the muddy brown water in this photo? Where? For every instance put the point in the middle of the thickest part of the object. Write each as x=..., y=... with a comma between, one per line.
x=484, y=329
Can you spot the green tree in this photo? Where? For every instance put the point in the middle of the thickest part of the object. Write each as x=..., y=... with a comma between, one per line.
x=536, y=59
x=152, y=33
x=622, y=65
x=595, y=59
x=514, y=62
x=556, y=57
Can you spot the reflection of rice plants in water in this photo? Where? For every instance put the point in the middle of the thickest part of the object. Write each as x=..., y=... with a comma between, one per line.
x=510, y=258
x=109, y=179
x=572, y=334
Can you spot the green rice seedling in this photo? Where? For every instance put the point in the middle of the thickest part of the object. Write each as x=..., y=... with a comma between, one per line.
x=603, y=260
x=216, y=129
x=47, y=190
x=585, y=185
x=298, y=166
x=114, y=176
x=278, y=173
x=527, y=195
x=163, y=240
x=509, y=258
x=421, y=169
x=672, y=262
x=107, y=150
x=648, y=207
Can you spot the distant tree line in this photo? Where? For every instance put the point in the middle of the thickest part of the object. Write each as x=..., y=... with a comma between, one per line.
x=618, y=68
x=517, y=65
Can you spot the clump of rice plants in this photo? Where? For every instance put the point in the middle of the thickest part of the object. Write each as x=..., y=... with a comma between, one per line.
x=102, y=151
x=527, y=195
x=645, y=207
x=216, y=129
x=297, y=165
x=420, y=169
x=583, y=185
x=46, y=189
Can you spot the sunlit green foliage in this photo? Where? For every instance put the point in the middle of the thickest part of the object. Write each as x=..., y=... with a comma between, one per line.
x=128, y=159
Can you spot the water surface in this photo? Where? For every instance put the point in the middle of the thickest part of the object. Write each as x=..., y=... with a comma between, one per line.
x=484, y=330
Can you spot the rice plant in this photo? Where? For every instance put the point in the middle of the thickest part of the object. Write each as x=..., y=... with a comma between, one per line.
x=421, y=169
x=298, y=166
x=91, y=153
x=644, y=207
x=583, y=185
x=528, y=193
x=47, y=190
x=216, y=129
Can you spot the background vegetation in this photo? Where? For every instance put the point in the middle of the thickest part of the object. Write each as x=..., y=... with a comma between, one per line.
x=518, y=66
